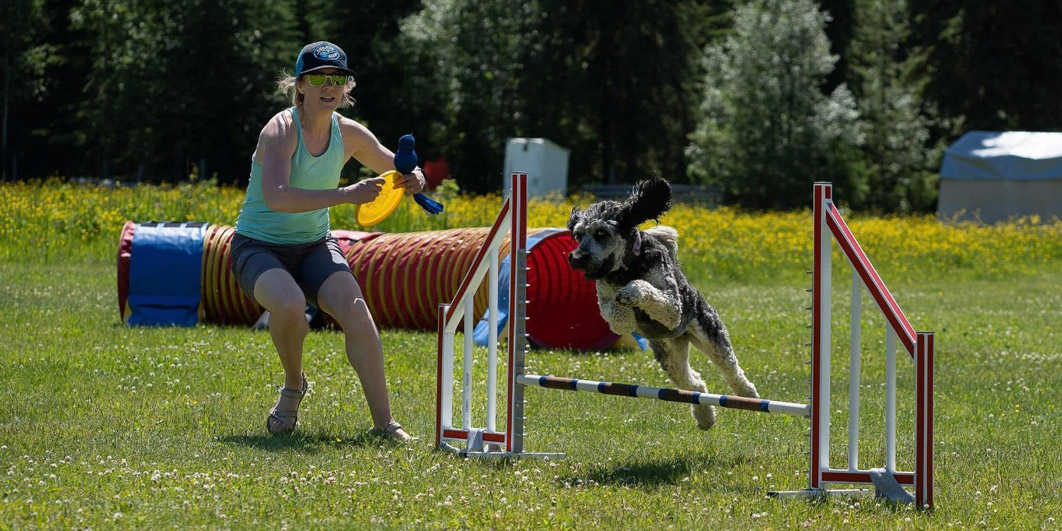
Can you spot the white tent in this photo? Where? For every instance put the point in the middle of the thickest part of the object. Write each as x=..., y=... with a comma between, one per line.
x=993, y=176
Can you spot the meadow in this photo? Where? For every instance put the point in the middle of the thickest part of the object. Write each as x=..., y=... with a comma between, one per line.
x=104, y=425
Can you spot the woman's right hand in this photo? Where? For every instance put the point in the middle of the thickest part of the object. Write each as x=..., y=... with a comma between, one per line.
x=364, y=191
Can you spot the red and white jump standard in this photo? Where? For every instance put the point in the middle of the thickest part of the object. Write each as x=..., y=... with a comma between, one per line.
x=512, y=220
x=829, y=225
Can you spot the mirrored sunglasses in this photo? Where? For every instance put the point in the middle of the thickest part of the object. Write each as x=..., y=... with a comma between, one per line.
x=337, y=80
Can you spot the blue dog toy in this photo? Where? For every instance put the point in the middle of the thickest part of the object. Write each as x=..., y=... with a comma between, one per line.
x=406, y=162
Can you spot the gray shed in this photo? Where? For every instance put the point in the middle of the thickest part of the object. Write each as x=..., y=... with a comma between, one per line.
x=993, y=176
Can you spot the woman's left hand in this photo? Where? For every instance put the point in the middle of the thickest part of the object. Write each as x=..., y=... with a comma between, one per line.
x=413, y=183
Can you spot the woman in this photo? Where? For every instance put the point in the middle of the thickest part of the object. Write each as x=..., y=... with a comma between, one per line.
x=282, y=253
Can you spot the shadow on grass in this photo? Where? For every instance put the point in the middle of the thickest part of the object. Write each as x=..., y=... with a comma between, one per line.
x=655, y=472
x=305, y=442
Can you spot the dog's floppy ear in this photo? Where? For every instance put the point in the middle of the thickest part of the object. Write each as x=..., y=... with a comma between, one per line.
x=649, y=200
x=573, y=218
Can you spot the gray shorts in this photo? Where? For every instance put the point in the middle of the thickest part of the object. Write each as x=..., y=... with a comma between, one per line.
x=310, y=264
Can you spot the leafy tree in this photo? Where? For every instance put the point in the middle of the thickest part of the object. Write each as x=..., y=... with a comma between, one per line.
x=767, y=130
x=119, y=111
x=900, y=164
x=181, y=85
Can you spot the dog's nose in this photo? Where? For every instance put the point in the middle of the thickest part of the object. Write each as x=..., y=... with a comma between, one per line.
x=577, y=259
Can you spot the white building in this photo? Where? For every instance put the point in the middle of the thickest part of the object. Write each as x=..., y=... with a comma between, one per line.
x=545, y=163
x=993, y=176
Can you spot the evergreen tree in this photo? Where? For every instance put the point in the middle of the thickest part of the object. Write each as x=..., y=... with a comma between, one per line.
x=222, y=63
x=24, y=59
x=840, y=28
x=767, y=130
x=386, y=95
x=473, y=48
x=989, y=65
x=900, y=164
x=622, y=76
x=611, y=82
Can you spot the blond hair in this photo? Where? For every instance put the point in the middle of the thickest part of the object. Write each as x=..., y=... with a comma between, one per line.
x=289, y=84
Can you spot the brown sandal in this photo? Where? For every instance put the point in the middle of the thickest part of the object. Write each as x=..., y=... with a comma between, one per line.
x=394, y=432
x=287, y=418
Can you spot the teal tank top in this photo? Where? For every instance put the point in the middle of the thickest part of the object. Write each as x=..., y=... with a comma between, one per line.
x=257, y=221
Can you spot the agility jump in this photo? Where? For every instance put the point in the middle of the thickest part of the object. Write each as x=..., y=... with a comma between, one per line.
x=490, y=441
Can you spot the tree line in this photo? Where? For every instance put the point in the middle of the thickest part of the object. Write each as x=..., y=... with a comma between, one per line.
x=758, y=98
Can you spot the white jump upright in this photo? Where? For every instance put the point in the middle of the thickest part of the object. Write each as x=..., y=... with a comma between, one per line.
x=829, y=225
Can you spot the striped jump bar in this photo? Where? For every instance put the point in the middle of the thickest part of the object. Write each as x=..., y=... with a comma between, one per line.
x=669, y=395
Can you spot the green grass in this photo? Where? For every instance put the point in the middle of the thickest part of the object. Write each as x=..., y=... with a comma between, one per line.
x=103, y=426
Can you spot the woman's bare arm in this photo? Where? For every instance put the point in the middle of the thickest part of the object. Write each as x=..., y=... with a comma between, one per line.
x=363, y=145
x=276, y=145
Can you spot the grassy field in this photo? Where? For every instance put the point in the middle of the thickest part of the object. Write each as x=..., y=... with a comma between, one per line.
x=102, y=425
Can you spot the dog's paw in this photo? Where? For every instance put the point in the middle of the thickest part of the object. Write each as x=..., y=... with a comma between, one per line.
x=743, y=387
x=750, y=391
x=626, y=297
x=705, y=416
x=622, y=322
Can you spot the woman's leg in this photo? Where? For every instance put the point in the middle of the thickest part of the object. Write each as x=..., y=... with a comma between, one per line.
x=341, y=297
x=277, y=291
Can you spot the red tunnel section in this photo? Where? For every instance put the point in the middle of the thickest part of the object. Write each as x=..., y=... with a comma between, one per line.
x=562, y=305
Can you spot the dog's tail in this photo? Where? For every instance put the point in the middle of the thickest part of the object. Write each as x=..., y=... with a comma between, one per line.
x=667, y=236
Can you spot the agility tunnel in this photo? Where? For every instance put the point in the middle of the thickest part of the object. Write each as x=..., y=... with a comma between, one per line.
x=178, y=273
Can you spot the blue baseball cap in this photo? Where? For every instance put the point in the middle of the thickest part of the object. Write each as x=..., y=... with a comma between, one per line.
x=320, y=55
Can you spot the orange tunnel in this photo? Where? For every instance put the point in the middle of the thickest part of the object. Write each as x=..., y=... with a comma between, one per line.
x=405, y=276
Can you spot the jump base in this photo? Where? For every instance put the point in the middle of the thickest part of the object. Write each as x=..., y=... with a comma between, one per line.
x=816, y=493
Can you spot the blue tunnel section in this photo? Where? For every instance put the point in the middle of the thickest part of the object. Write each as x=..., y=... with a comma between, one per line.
x=166, y=274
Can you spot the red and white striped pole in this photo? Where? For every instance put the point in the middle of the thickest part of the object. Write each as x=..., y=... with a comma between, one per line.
x=924, y=419
x=820, y=339
x=667, y=395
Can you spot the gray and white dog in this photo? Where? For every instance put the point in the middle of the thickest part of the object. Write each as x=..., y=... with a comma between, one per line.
x=641, y=288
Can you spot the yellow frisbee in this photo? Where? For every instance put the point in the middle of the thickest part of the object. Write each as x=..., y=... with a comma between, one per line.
x=376, y=210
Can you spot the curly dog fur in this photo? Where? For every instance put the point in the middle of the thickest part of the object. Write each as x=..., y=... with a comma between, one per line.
x=641, y=288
